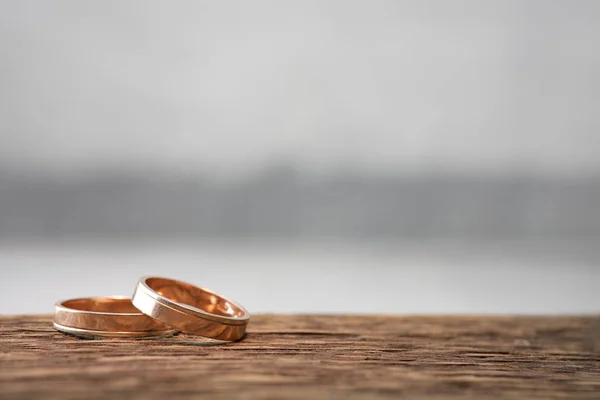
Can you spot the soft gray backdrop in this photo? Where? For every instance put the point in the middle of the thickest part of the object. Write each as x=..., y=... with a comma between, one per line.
x=339, y=156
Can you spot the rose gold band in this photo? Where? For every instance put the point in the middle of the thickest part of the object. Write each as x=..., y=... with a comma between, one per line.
x=190, y=309
x=106, y=317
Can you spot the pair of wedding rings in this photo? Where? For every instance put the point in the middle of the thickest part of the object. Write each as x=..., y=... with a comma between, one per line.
x=158, y=307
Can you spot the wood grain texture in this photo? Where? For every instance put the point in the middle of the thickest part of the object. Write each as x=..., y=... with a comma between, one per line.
x=306, y=357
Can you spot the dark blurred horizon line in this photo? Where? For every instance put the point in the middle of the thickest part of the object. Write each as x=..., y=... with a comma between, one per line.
x=282, y=203
x=294, y=170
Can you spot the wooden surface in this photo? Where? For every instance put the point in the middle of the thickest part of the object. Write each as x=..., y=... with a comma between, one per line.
x=307, y=357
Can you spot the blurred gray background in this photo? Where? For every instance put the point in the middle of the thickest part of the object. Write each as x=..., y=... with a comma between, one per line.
x=303, y=156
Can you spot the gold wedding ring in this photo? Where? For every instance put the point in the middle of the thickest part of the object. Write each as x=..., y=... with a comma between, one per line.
x=190, y=309
x=106, y=317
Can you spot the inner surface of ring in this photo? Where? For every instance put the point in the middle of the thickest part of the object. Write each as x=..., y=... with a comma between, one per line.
x=182, y=292
x=103, y=304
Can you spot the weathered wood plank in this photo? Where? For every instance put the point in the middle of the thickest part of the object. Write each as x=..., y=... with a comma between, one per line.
x=286, y=356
